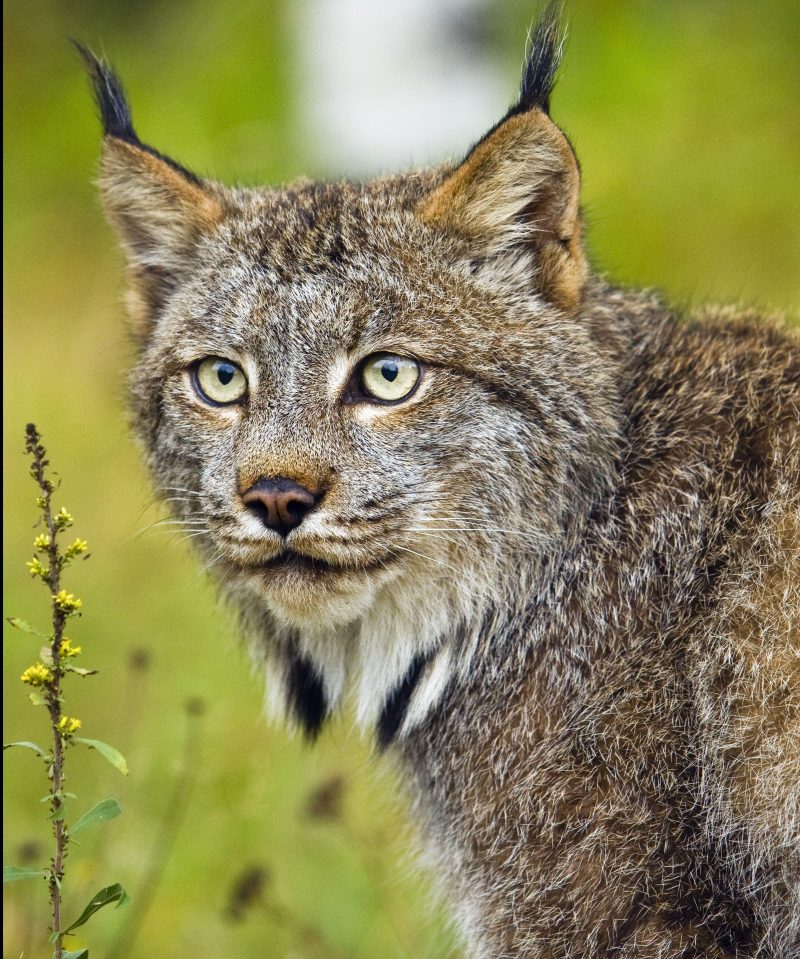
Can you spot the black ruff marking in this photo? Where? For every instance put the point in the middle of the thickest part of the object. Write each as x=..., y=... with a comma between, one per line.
x=115, y=111
x=396, y=705
x=306, y=696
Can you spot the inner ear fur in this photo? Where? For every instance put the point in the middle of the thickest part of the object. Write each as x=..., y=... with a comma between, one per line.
x=159, y=212
x=517, y=194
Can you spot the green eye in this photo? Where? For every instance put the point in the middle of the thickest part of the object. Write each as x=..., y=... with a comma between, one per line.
x=387, y=377
x=219, y=381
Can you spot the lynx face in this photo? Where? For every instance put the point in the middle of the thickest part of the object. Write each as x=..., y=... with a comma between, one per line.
x=367, y=402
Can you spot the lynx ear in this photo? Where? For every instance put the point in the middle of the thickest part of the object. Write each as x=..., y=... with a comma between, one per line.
x=515, y=197
x=159, y=209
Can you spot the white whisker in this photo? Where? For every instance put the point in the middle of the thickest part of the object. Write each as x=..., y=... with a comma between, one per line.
x=466, y=529
x=191, y=524
x=431, y=559
x=207, y=566
x=193, y=533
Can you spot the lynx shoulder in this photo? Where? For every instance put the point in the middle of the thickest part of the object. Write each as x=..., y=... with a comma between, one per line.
x=542, y=532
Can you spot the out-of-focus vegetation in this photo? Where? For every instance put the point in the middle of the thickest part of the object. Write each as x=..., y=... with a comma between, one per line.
x=684, y=116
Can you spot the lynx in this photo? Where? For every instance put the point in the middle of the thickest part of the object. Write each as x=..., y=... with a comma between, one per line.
x=542, y=532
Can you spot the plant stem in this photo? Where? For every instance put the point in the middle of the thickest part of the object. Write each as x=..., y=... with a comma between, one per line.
x=53, y=688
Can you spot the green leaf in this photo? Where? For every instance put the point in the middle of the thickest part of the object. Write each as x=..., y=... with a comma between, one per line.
x=112, y=755
x=102, y=812
x=27, y=745
x=13, y=873
x=37, y=699
x=105, y=897
x=79, y=670
x=75, y=954
x=25, y=627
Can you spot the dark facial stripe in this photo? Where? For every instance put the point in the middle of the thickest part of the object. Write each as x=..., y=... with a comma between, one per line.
x=396, y=705
x=306, y=696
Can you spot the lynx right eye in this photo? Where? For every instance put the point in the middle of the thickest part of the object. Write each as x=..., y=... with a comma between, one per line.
x=219, y=382
x=389, y=378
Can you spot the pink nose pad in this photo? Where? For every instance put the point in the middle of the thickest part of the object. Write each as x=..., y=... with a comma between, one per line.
x=281, y=503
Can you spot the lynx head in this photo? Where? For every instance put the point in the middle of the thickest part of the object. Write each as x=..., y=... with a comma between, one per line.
x=378, y=405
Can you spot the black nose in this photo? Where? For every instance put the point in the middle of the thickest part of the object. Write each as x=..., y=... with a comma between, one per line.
x=281, y=503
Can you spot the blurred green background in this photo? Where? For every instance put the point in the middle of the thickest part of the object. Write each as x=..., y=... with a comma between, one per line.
x=685, y=118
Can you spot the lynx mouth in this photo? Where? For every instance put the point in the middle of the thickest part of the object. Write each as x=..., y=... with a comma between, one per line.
x=291, y=561
x=307, y=565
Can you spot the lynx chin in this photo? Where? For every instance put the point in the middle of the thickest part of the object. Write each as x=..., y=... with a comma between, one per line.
x=542, y=531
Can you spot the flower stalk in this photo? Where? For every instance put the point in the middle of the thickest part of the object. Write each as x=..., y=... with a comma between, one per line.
x=45, y=678
x=61, y=611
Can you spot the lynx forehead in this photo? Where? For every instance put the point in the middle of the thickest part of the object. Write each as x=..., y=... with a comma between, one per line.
x=542, y=532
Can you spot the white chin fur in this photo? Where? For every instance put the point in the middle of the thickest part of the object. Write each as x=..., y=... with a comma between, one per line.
x=324, y=614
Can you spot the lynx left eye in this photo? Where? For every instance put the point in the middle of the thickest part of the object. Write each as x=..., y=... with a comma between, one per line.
x=219, y=381
x=389, y=378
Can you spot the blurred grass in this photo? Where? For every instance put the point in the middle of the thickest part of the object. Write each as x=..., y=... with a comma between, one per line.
x=684, y=116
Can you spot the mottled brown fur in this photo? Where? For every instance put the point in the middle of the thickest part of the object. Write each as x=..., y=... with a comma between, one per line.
x=560, y=579
x=639, y=788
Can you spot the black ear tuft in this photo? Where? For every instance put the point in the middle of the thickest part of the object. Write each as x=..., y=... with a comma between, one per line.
x=115, y=112
x=541, y=65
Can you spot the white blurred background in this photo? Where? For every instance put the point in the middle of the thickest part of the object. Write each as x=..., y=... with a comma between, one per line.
x=387, y=85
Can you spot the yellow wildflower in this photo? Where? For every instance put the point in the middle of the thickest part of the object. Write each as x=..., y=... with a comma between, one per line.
x=76, y=548
x=67, y=650
x=42, y=541
x=63, y=519
x=67, y=725
x=35, y=568
x=66, y=602
x=36, y=675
